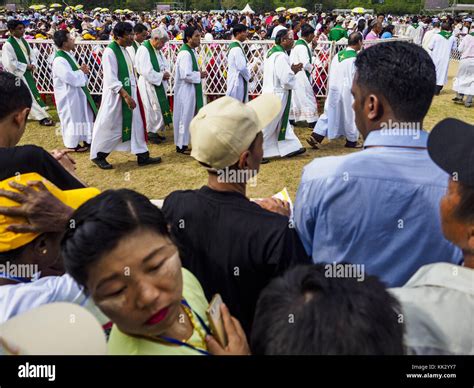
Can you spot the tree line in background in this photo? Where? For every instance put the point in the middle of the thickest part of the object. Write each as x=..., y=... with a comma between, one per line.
x=386, y=6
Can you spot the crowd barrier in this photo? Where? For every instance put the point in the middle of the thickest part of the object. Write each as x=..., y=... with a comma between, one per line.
x=212, y=57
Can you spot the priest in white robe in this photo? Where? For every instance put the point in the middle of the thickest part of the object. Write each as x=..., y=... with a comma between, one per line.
x=440, y=48
x=338, y=119
x=429, y=35
x=238, y=73
x=303, y=101
x=76, y=108
x=464, y=82
x=154, y=73
x=140, y=34
x=188, y=95
x=19, y=59
x=119, y=125
x=279, y=79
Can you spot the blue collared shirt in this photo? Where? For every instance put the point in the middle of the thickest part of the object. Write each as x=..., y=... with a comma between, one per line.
x=378, y=207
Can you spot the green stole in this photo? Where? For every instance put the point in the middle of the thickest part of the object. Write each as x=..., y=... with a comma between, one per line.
x=231, y=46
x=197, y=87
x=135, y=46
x=286, y=113
x=472, y=33
x=415, y=25
x=346, y=54
x=445, y=34
x=20, y=56
x=124, y=77
x=159, y=90
x=73, y=64
x=302, y=42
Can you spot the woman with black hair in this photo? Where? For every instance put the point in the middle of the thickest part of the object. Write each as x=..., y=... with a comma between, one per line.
x=121, y=251
x=188, y=96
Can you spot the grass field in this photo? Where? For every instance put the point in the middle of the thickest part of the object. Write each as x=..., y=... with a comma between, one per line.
x=183, y=172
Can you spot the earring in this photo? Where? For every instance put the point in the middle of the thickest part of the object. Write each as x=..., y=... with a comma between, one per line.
x=44, y=251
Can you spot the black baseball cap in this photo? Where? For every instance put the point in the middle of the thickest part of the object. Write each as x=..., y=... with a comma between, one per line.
x=451, y=147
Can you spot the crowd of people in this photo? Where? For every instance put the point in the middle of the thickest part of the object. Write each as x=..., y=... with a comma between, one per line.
x=376, y=257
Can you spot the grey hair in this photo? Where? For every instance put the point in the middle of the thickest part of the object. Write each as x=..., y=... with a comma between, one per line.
x=159, y=33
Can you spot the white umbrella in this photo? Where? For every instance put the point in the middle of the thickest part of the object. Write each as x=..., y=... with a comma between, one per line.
x=247, y=9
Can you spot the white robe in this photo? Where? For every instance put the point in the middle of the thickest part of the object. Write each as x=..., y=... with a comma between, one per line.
x=146, y=84
x=237, y=72
x=440, y=50
x=338, y=118
x=75, y=114
x=131, y=51
x=184, y=97
x=14, y=66
x=303, y=101
x=107, y=132
x=464, y=81
x=428, y=36
x=279, y=79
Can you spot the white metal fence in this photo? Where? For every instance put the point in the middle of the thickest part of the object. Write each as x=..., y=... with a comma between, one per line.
x=212, y=57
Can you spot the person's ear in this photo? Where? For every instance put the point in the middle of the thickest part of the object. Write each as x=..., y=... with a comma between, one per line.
x=243, y=160
x=470, y=241
x=40, y=246
x=21, y=117
x=374, y=107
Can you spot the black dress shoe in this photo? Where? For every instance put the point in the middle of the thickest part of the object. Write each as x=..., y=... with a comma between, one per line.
x=351, y=144
x=162, y=138
x=153, y=138
x=46, y=122
x=265, y=161
x=145, y=159
x=183, y=150
x=295, y=153
x=102, y=163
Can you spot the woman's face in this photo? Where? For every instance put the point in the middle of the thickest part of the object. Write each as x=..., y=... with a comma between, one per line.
x=139, y=285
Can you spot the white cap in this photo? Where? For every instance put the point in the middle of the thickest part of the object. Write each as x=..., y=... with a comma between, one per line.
x=339, y=19
x=54, y=329
x=226, y=127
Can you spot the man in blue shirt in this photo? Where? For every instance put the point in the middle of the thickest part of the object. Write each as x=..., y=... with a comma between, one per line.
x=379, y=207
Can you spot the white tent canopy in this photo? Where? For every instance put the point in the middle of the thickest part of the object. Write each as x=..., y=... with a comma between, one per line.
x=247, y=9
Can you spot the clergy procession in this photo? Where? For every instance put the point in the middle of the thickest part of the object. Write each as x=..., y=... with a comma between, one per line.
x=279, y=182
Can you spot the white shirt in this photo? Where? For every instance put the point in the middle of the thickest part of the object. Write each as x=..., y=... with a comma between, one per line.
x=438, y=310
x=16, y=299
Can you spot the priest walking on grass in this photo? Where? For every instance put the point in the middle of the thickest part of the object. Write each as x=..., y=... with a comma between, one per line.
x=188, y=96
x=238, y=74
x=440, y=49
x=153, y=84
x=18, y=58
x=120, y=123
x=76, y=108
x=303, y=101
x=279, y=79
x=338, y=119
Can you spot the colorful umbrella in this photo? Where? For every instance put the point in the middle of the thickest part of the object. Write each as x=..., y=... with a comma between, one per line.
x=37, y=7
x=280, y=9
x=55, y=5
x=358, y=10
